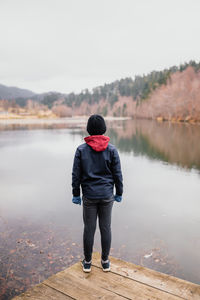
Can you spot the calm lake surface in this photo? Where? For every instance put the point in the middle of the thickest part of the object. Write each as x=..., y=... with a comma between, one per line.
x=157, y=224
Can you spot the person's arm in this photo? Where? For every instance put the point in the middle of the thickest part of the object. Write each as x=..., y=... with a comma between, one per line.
x=117, y=173
x=76, y=174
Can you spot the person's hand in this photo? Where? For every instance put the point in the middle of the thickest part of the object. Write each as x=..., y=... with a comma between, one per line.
x=76, y=200
x=118, y=198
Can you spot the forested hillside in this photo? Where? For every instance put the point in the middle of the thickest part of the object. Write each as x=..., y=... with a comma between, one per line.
x=139, y=88
x=171, y=93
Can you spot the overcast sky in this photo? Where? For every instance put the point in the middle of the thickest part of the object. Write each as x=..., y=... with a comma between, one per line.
x=70, y=45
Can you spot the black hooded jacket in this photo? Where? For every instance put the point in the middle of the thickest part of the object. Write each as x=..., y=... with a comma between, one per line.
x=97, y=168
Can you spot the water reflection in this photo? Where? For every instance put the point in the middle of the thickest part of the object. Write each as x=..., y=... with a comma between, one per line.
x=172, y=143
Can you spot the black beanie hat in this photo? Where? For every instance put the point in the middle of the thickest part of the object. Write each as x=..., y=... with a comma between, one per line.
x=96, y=125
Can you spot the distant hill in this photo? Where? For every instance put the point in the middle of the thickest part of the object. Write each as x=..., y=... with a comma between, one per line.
x=12, y=92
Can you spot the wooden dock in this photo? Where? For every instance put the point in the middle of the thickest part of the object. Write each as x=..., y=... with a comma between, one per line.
x=124, y=281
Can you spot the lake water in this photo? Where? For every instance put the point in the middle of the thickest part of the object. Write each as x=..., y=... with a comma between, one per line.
x=157, y=224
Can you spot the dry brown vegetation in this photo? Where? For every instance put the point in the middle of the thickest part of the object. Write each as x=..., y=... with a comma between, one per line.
x=179, y=100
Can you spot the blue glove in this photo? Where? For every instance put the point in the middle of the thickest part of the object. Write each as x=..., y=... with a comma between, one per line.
x=118, y=198
x=76, y=200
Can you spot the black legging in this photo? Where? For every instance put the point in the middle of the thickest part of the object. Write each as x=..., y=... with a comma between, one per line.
x=91, y=209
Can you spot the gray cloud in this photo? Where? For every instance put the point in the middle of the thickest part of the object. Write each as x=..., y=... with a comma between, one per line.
x=69, y=45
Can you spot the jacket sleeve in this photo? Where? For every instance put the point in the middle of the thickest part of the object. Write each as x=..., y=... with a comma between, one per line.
x=76, y=174
x=117, y=173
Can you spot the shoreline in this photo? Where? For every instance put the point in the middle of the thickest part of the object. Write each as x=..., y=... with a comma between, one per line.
x=83, y=119
x=75, y=119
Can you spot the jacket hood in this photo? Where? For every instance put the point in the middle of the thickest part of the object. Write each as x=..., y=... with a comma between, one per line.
x=97, y=142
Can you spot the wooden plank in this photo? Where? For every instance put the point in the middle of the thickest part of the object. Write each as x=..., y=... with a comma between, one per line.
x=173, y=285
x=42, y=292
x=118, y=284
x=125, y=281
x=79, y=288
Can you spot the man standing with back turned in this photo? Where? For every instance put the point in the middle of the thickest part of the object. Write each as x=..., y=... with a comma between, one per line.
x=96, y=168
